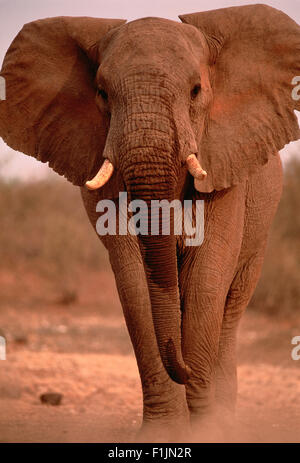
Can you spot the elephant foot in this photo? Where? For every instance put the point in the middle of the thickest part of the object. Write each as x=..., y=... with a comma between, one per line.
x=217, y=426
x=226, y=419
x=206, y=429
x=158, y=431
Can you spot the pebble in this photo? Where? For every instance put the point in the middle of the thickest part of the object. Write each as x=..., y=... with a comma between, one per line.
x=51, y=398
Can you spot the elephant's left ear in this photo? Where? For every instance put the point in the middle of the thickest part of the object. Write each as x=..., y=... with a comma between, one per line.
x=255, y=61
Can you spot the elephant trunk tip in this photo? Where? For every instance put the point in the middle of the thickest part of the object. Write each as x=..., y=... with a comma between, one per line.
x=178, y=371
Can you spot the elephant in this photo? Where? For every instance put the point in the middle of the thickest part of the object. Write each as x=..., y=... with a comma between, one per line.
x=168, y=110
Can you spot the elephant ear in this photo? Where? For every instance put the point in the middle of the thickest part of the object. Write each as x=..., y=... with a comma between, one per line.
x=50, y=111
x=255, y=55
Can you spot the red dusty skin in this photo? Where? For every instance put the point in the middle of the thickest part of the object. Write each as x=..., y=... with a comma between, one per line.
x=160, y=263
x=148, y=164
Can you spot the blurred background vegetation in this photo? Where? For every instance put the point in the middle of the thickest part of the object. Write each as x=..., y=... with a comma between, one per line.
x=38, y=219
x=45, y=232
x=278, y=291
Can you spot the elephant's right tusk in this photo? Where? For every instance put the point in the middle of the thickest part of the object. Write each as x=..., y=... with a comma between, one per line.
x=195, y=168
x=104, y=174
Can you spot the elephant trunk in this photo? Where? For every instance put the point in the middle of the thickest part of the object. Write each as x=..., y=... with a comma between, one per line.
x=160, y=262
x=149, y=173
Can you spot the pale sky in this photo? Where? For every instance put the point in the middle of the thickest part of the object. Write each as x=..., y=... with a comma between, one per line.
x=15, y=13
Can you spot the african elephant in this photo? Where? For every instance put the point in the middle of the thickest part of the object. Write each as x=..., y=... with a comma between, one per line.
x=167, y=110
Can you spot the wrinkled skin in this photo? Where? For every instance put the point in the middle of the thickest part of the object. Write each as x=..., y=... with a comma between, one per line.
x=215, y=289
x=167, y=90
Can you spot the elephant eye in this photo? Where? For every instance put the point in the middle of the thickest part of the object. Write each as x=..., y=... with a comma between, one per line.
x=102, y=93
x=195, y=91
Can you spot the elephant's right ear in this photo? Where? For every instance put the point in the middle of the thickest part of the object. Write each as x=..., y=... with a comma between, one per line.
x=50, y=111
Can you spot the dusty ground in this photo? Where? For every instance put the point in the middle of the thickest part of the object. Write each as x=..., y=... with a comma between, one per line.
x=82, y=350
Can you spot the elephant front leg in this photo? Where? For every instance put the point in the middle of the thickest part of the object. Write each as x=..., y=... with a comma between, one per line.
x=165, y=414
x=238, y=298
x=206, y=273
x=202, y=321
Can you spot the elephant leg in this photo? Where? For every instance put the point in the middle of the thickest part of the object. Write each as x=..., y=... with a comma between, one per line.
x=201, y=326
x=262, y=196
x=205, y=276
x=238, y=298
x=165, y=412
x=164, y=401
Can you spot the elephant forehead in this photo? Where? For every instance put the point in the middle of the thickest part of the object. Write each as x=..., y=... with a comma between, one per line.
x=154, y=41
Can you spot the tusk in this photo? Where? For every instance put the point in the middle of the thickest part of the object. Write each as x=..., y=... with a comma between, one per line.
x=195, y=168
x=104, y=174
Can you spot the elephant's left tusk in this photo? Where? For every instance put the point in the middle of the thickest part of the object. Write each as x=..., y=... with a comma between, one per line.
x=104, y=174
x=195, y=168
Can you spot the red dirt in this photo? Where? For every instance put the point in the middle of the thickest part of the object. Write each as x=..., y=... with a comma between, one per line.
x=82, y=350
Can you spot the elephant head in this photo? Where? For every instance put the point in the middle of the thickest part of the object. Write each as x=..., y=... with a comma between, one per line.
x=138, y=104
